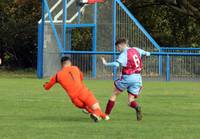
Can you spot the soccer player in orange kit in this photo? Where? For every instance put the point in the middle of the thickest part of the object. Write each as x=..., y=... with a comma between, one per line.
x=71, y=79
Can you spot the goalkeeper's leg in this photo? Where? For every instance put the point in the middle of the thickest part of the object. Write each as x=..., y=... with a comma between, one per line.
x=92, y=106
x=98, y=112
x=89, y=103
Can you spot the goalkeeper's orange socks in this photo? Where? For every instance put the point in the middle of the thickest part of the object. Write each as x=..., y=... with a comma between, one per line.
x=88, y=109
x=99, y=113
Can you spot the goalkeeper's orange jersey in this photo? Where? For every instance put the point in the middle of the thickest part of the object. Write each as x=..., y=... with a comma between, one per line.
x=71, y=79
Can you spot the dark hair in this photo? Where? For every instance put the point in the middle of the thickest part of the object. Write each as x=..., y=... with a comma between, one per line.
x=121, y=41
x=65, y=58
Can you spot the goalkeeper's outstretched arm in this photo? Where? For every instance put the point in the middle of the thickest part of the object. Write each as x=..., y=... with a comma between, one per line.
x=49, y=84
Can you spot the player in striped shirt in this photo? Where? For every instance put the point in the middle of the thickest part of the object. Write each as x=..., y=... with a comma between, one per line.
x=131, y=80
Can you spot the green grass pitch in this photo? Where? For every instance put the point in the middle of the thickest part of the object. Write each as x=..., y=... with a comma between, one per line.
x=171, y=111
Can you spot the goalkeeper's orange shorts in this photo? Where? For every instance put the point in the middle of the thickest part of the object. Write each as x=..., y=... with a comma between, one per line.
x=84, y=99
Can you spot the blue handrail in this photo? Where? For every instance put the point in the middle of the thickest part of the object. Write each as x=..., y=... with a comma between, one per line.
x=112, y=53
x=178, y=48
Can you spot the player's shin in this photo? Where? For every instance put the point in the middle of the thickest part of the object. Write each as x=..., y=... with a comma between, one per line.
x=111, y=101
x=137, y=108
x=109, y=106
x=133, y=104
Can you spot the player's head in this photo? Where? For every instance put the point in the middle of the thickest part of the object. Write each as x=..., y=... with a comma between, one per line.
x=121, y=44
x=65, y=61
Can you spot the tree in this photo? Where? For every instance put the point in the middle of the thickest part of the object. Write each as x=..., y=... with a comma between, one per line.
x=19, y=33
x=185, y=7
x=168, y=25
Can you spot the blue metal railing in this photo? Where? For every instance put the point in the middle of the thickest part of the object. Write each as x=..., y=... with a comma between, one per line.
x=94, y=42
x=117, y=53
x=80, y=25
x=183, y=63
x=114, y=37
x=179, y=48
x=40, y=44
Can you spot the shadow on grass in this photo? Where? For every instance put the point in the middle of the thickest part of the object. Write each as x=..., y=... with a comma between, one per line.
x=62, y=118
x=171, y=115
x=20, y=73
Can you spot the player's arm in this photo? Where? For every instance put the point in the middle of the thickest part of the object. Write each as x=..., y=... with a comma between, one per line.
x=142, y=52
x=114, y=64
x=49, y=84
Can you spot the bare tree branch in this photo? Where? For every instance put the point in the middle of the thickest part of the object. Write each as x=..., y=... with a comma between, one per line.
x=182, y=6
